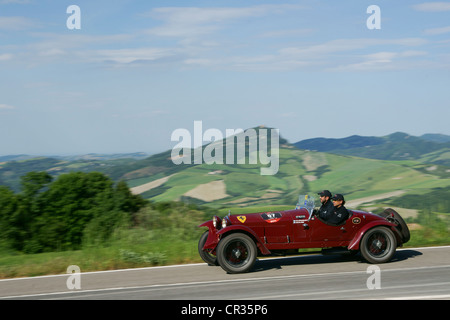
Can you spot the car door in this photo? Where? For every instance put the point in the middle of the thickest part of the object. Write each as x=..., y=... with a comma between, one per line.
x=321, y=232
x=278, y=227
x=301, y=232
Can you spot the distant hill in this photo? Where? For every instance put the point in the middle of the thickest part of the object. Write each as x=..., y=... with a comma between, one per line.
x=89, y=156
x=14, y=166
x=396, y=146
x=360, y=174
x=300, y=171
x=441, y=138
x=16, y=157
x=329, y=144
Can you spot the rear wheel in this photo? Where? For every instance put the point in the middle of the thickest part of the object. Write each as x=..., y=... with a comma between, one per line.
x=236, y=253
x=206, y=255
x=378, y=245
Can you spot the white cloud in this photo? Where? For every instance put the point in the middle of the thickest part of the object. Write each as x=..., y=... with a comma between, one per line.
x=193, y=21
x=76, y=47
x=14, y=1
x=381, y=61
x=6, y=56
x=344, y=45
x=16, y=23
x=328, y=55
x=287, y=33
x=437, y=31
x=124, y=56
x=6, y=107
x=432, y=6
x=334, y=55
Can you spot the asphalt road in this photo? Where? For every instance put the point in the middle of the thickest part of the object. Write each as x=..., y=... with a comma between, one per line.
x=420, y=273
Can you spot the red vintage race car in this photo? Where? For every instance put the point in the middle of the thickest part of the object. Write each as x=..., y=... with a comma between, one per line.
x=235, y=241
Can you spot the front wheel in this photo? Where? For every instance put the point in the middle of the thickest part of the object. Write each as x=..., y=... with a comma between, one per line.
x=236, y=253
x=206, y=255
x=378, y=245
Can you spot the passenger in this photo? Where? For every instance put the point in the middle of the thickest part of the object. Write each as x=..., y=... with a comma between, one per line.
x=340, y=213
x=327, y=207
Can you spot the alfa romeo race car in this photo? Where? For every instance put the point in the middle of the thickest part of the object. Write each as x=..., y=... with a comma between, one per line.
x=235, y=241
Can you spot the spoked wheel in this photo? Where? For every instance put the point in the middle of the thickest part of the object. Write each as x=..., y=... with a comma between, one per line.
x=236, y=253
x=378, y=245
x=206, y=255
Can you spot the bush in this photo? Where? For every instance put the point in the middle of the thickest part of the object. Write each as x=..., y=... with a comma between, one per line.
x=152, y=258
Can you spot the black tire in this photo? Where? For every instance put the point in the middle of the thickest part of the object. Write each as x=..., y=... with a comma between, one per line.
x=206, y=255
x=378, y=245
x=401, y=224
x=236, y=253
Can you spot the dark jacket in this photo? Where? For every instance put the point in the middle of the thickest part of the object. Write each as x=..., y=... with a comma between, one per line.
x=338, y=215
x=326, y=210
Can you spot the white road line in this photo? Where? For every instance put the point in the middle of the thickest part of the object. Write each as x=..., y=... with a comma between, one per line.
x=431, y=297
x=107, y=271
x=365, y=290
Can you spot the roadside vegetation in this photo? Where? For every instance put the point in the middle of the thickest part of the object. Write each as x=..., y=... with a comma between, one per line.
x=86, y=219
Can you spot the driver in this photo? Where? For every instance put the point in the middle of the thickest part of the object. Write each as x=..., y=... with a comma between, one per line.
x=327, y=207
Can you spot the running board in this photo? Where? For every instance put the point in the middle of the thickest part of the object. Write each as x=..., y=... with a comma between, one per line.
x=331, y=251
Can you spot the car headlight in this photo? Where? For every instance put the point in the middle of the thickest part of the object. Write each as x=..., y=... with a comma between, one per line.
x=225, y=222
x=217, y=222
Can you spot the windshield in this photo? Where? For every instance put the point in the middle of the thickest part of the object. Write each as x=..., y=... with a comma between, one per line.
x=306, y=202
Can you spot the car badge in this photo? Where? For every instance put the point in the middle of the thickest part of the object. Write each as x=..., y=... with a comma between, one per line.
x=242, y=219
x=356, y=220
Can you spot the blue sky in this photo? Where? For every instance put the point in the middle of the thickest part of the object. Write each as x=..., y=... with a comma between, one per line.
x=138, y=70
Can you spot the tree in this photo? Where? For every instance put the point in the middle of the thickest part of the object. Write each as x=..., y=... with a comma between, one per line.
x=34, y=182
x=116, y=208
x=55, y=215
x=8, y=206
x=69, y=203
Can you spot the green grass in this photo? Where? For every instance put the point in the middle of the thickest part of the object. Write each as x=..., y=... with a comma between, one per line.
x=133, y=248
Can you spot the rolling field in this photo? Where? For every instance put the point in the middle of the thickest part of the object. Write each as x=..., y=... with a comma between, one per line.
x=300, y=172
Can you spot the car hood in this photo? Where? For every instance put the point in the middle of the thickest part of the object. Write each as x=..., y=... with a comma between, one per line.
x=268, y=217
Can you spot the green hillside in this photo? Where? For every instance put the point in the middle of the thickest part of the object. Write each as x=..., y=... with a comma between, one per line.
x=362, y=180
x=300, y=172
x=11, y=171
x=429, y=148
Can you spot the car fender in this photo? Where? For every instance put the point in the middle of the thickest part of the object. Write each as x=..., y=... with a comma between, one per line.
x=208, y=224
x=213, y=237
x=244, y=229
x=354, y=244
